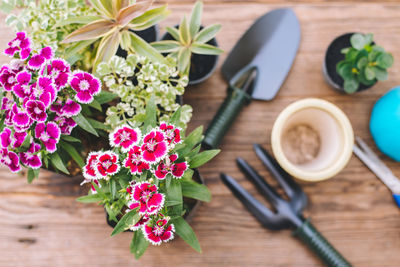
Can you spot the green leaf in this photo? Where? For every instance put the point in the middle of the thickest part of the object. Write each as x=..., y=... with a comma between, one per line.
x=385, y=60
x=194, y=152
x=207, y=33
x=84, y=124
x=139, y=244
x=73, y=153
x=33, y=174
x=99, y=125
x=203, y=157
x=362, y=63
x=184, y=35
x=358, y=41
x=77, y=20
x=93, y=198
x=166, y=46
x=150, y=18
x=57, y=162
x=194, y=190
x=96, y=105
x=193, y=139
x=143, y=48
x=176, y=117
x=170, y=203
x=6, y=7
x=130, y=218
x=351, y=55
x=113, y=188
x=69, y=138
x=183, y=229
x=195, y=19
x=174, y=32
x=351, y=86
x=205, y=49
x=76, y=47
x=98, y=5
x=74, y=58
x=368, y=38
x=104, y=97
x=184, y=56
x=174, y=194
x=380, y=74
x=369, y=73
x=151, y=113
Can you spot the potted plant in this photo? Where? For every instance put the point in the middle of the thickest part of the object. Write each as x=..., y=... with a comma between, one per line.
x=45, y=107
x=353, y=62
x=115, y=25
x=143, y=179
x=194, y=46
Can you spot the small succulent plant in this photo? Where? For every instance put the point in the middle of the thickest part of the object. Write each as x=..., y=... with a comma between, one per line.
x=365, y=63
x=189, y=38
x=114, y=26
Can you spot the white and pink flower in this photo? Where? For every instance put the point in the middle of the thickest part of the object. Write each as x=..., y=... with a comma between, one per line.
x=125, y=137
x=44, y=90
x=158, y=231
x=49, y=134
x=70, y=108
x=37, y=61
x=66, y=124
x=140, y=223
x=59, y=71
x=86, y=86
x=172, y=134
x=107, y=164
x=89, y=170
x=154, y=146
x=22, y=88
x=168, y=165
x=21, y=44
x=10, y=159
x=20, y=118
x=36, y=110
x=31, y=158
x=15, y=140
x=145, y=196
x=7, y=78
x=135, y=161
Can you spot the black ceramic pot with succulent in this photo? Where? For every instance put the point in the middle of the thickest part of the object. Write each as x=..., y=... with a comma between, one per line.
x=353, y=62
x=193, y=45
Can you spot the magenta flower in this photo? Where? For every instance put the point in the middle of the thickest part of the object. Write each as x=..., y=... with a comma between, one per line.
x=171, y=133
x=7, y=78
x=59, y=71
x=16, y=140
x=86, y=86
x=70, y=108
x=22, y=88
x=38, y=60
x=10, y=159
x=168, y=165
x=36, y=110
x=159, y=232
x=107, y=164
x=31, y=158
x=20, y=44
x=154, y=147
x=19, y=117
x=89, y=170
x=145, y=196
x=140, y=223
x=66, y=124
x=135, y=162
x=49, y=135
x=45, y=91
x=124, y=137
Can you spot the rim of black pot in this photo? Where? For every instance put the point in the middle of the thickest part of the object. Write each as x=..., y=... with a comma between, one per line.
x=188, y=216
x=213, y=42
x=334, y=56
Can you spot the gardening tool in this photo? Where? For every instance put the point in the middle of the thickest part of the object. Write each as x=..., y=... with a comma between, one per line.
x=288, y=213
x=366, y=155
x=256, y=67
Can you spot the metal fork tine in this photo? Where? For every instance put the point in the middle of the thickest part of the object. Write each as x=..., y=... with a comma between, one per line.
x=264, y=215
x=262, y=186
x=371, y=155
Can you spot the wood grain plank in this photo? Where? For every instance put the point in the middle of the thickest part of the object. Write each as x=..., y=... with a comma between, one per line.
x=43, y=225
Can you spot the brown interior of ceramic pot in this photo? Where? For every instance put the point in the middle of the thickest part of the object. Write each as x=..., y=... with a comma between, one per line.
x=329, y=133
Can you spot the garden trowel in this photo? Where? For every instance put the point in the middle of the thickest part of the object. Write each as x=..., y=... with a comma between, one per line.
x=256, y=67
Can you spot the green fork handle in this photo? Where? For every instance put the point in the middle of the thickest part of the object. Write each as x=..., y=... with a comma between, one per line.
x=225, y=116
x=318, y=244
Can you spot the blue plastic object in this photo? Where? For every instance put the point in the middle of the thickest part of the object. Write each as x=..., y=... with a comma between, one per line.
x=385, y=123
x=397, y=199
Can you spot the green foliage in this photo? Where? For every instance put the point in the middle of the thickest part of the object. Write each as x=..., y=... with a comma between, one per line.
x=135, y=80
x=41, y=20
x=365, y=63
x=139, y=244
x=189, y=39
x=127, y=220
x=186, y=232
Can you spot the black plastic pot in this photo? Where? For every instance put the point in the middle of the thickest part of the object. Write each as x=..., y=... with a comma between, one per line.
x=201, y=66
x=149, y=35
x=332, y=57
x=193, y=205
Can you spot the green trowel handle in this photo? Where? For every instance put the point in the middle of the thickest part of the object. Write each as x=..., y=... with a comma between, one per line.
x=317, y=243
x=225, y=116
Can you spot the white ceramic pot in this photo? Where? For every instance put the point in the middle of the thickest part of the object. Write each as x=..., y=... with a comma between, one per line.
x=336, y=138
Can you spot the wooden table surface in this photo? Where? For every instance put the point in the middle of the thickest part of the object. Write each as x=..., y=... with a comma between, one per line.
x=42, y=224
